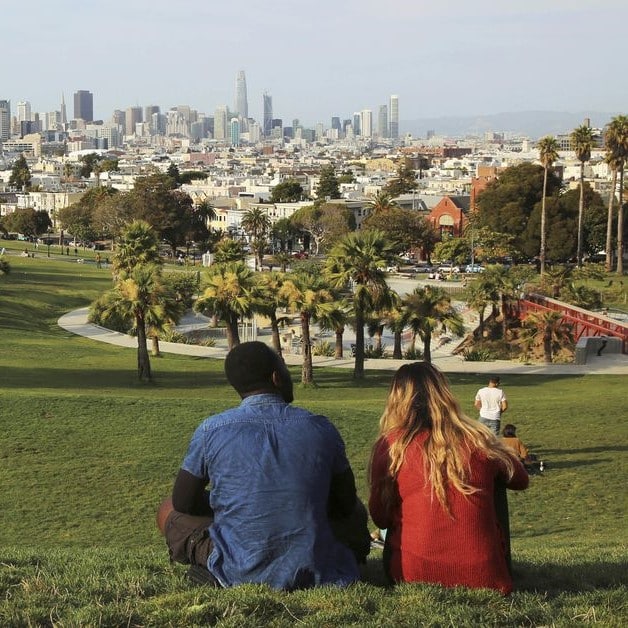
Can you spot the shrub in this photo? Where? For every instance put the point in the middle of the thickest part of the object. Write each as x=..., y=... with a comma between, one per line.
x=478, y=355
x=413, y=354
x=323, y=347
x=102, y=312
x=375, y=352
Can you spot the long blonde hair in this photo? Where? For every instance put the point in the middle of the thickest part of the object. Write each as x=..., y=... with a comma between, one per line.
x=420, y=400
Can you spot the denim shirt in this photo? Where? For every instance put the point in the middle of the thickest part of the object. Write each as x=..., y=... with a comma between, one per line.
x=270, y=466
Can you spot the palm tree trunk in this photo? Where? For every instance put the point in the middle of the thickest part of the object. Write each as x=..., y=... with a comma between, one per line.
x=547, y=346
x=481, y=325
x=580, y=215
x=155, y=345
x=542, y=251
x=274, y=326
x=233, y=335
x=504, y=312
x=427, y=346
x=358, y=369
x=397, y=352
x=609, y=224
x=620, y=224
x=143, y=359
x=338, y=353
x=307, y=372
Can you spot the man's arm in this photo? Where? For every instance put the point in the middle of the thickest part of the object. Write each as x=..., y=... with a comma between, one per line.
x=504, y=405
x=189, y=496
x=478, y=404
x=342, y=495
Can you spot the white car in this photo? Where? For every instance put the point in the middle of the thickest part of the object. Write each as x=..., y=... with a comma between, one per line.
x=474, y=268
x=448, y=268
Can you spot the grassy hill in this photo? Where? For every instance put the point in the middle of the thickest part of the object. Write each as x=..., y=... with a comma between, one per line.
x=87, y=453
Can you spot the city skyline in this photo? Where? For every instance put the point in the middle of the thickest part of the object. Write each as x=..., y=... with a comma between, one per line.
x=454, y=59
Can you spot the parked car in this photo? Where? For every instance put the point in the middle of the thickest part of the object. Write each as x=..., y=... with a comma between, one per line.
x=392, y=269
x=447, y=267
x=474, y=268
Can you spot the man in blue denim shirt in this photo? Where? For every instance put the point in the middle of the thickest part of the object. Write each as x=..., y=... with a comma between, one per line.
x=282, y=509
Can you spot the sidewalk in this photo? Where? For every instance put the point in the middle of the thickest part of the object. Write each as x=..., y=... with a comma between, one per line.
x=611, y=364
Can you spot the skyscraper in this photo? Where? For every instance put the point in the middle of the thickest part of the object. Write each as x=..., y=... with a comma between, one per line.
x=241, y=101
x=24, y=111
x=366, y=123
x=382, y=121
x=394, y=117
x=64, y=113
x=220, y=123
x=5, y=120
x=268, y=114
x=133, y=115
x=234, y=132
x=83, y=105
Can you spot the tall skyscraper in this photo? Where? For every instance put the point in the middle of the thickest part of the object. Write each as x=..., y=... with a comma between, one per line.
x=268, y=114
x=394, y=117
x=133, y=115
x=366, y=123
x=5, y=120
x=234, y=132
x=220, y=123
x=382, y=121
x=24, y=111
x=64, y=112
x=241, y=100
x=356, y=123
x=84, y=105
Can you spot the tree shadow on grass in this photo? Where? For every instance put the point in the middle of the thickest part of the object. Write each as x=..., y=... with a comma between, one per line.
x=586, y=450
x=549, y=578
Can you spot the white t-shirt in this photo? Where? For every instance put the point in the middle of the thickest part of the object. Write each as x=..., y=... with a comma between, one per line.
x=491, y=398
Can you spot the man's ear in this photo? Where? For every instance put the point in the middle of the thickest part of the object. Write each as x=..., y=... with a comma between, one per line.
x=276, y=378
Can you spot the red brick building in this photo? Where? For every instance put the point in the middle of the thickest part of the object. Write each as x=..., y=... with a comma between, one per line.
x=449, y=216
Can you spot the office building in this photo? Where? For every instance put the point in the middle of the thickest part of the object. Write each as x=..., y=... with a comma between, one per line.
x=366, y=123
x=149, y=110
x=241, y=100
x=220, y=123
x=382, y=121
x=268, y=114
x=64, y=112
x=394, y=117
x=24, y=111
x=356, y=124
x=5, y=120
x=132, y=116
x=234, y=132
x=83, y=105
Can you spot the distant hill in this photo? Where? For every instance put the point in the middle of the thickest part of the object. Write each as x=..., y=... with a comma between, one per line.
x=533, y=124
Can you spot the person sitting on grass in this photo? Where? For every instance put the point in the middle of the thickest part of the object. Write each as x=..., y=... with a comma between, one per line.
x=282, y=509
x=435, y=475
x=511, y=440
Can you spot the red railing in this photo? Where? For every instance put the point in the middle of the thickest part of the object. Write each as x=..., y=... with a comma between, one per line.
x=584, y=323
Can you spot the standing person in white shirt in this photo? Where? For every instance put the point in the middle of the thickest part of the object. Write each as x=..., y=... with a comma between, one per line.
x=491, y=402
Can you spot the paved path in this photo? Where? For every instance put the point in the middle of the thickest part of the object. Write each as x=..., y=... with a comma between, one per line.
x=609, y=364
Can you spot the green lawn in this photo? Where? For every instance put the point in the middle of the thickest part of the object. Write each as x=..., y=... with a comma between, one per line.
x=87, y=454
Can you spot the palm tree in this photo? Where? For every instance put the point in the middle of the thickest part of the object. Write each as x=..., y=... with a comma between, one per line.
x=139, y=245
x=616, y=138
x=381, y=201
x=228, y=296
x=550, y=328
x=428, y=310
x=548, y=154
x=307, y=293
x=358, y=260
x=479, y=295
x=228, y=250
x=613, y=163
x=268, y=299
x=336, y=320
x=582, y=144
x=257, y=224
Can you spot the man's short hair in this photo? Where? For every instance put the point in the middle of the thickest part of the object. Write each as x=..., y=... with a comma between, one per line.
x=494, y=379
x=249, y=366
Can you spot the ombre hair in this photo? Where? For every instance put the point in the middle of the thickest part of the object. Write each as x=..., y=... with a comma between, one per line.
x=419, y=400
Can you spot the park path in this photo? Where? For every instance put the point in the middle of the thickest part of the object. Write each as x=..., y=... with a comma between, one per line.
x=612, y=364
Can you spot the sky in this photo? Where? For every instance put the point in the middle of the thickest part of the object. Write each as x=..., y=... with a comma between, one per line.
x=320, y=58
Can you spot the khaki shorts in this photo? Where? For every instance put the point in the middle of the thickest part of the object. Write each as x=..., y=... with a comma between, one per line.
x=188, y=540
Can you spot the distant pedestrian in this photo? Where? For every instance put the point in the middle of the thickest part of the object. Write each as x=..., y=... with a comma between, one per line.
x=491, y=402
x=98, y=261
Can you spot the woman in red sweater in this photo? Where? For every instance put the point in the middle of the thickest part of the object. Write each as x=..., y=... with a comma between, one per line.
x=433, y=475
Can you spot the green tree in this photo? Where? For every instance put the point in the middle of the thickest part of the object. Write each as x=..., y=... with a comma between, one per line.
x=257, y=224
x=381, y=201
x=327, y=187
x=405, y=181
x=20, y=178
x=582, y=143
x=307, y=293
x=325, y=223
x=229, y=296
x=429, y=310
x=548, y=154
x=284, y=233
x=288, y=191
x=616, y=139
x=336, y=320
x=139, y=247
x=550, y=329
x=479, y=295
x=455, y=249
x=28, y=221
x=267, y=299
x=228, y=250
x=357, y=261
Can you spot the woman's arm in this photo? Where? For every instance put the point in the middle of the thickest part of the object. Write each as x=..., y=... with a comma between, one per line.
x=379, y=511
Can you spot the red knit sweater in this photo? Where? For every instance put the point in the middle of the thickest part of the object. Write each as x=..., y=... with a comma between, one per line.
x=428, y=545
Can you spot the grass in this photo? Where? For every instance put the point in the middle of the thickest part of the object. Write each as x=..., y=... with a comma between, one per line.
x=87, y=453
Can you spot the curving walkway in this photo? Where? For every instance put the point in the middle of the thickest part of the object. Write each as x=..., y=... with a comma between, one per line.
x=611, y=364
